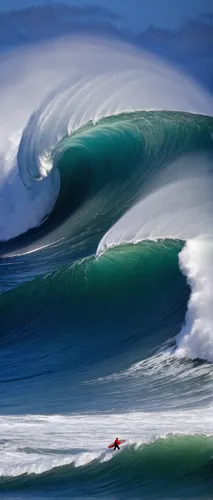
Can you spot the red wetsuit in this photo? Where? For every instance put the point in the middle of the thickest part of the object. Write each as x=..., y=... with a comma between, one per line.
x=116, y=444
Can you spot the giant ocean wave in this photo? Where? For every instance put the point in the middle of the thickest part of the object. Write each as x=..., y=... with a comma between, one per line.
x=106, y=269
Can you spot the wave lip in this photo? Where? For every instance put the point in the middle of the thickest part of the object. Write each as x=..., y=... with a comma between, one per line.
x=179, y=205
x=51, y=97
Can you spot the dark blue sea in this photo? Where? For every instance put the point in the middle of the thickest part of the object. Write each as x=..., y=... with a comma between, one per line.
x=106, y=272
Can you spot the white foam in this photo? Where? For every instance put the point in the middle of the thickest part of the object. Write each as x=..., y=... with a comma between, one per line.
x=196, y=337
x=84, y=438
x=21, y=208
x=159, y=367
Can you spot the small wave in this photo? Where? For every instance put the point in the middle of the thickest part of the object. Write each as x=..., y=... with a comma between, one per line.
x=177, y=461
x=37, y=465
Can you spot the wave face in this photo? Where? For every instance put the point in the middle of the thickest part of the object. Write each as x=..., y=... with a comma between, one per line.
x=106, y=323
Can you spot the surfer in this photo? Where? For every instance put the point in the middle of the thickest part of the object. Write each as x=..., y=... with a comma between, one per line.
x=116, y=444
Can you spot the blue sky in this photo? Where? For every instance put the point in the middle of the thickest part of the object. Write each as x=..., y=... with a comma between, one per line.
x=137, y=13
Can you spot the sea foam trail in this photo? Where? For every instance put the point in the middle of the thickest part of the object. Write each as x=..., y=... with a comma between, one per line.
x=81, y=439
x=79, y=89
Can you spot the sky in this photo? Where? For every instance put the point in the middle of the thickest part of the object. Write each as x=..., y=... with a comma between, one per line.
x=137, y=13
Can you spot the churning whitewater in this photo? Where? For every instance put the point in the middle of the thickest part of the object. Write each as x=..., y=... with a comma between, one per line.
x=106, y=246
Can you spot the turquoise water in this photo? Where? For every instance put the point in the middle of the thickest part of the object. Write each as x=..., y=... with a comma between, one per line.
x=89, y=341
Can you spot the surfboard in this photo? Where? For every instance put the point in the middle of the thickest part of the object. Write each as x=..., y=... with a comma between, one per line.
x=119, y=442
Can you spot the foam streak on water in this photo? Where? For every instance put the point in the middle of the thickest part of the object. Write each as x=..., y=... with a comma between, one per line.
x=79, y=439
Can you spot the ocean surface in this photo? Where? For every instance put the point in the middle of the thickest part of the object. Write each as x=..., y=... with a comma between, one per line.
x=106, y=276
